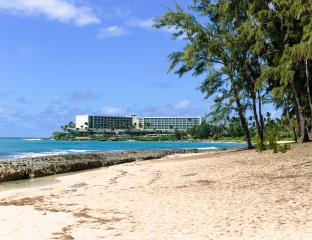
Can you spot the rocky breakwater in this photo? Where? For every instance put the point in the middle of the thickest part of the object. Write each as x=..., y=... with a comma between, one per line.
x=27, y=168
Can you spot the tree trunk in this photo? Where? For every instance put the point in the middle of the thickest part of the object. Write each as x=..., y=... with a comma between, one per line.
x=250, y=77
x=295, y=134
x=308, y=84
x=304, y=135
x=255, y=114
x=242, y=116
x=253, y=95
x=296, y=111
x=252, y=92
x=260, y=114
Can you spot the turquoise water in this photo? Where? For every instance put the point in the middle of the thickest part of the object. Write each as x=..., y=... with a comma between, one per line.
x=12, y=148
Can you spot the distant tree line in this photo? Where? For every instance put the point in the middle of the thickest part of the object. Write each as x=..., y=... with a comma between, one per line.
x=230, y=129
x=250, y=53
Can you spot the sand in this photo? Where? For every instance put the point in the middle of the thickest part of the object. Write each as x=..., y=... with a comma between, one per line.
x=231, y=195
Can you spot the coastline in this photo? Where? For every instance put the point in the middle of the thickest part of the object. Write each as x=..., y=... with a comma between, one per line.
x=188, y=140
x=28, y=168
x=207, y=195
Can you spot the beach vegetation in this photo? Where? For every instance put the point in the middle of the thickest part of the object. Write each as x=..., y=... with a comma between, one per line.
x=249, y=53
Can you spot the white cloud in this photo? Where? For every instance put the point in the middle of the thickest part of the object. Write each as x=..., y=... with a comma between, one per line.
x=142, y=23
x=110, y=110
x=58, y=10
x=134, y=23
x=112, y=31
x=148, y=24
x=183, y=104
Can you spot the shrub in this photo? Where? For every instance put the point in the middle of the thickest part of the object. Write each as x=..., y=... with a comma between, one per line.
x=283, y=148
x=260, y=146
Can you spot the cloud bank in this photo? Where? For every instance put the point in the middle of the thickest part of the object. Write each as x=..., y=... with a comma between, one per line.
x=58, y=10
x=136, y=23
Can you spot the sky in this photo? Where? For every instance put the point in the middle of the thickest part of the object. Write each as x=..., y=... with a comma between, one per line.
x=62, y=58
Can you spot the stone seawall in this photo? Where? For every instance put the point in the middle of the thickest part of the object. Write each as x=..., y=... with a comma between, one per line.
x=27, y=168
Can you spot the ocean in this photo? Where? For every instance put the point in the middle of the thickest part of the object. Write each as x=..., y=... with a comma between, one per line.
x=13, y=148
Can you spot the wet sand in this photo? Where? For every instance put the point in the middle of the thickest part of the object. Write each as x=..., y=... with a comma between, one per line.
x=225, y=195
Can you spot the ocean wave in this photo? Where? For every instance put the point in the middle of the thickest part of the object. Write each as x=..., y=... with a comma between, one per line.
x=52, y=153
x=32, y=139
x=207, y=148
x=80, y=151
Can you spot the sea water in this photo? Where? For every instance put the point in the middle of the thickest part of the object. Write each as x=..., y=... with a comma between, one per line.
x=12, y=148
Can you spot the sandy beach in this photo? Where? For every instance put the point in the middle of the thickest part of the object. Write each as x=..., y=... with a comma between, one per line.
x=230, y=195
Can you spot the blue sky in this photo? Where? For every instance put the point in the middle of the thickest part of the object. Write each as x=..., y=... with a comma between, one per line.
x=60, y=58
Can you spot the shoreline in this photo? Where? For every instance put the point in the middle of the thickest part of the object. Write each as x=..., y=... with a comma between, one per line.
x=132, y=140
x=135, y=140
x=28, y=168
x=206, y=195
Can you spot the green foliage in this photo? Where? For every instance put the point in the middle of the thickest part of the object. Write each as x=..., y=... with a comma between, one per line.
x=260, y=146
x=212, y=50
x=274, y=131
x=285, y=27
x=58, y=135
x=202, y=131
x=62, y=136
x=228, y=129
x=283, y=148
x=179, y=135
x=249, y=53
x=272, y=134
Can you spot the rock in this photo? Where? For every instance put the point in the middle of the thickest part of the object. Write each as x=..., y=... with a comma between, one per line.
x=26, y=168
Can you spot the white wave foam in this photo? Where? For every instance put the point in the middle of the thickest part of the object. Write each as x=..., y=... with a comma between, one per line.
x=29, y=155
x=80, y=151
x=52, y=153
x=33, y=139
x=208, y=148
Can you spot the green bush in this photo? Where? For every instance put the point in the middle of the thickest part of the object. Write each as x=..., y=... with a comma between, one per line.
x=215, y=137
x=283, y=148
x=260, y=146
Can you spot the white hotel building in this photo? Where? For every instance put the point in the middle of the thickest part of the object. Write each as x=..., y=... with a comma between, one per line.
x=87, y=122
